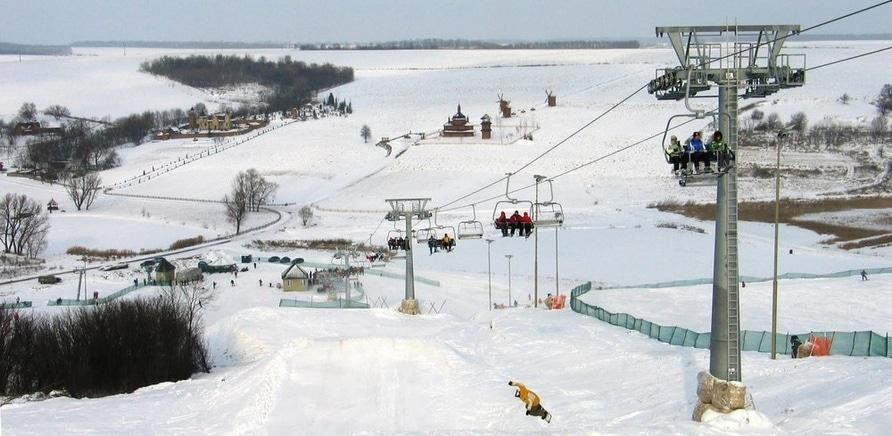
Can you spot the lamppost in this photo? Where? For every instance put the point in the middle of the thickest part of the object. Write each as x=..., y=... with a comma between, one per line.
x=535, y=212
x=509, y=256
x=780, y=138
x=489, y=268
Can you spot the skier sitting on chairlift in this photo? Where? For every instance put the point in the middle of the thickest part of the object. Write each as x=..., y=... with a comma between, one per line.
x=502, y=223
x=514, y=223
x=719, y=151
x=526, y=225
x=698, y=153
x=677, y=155
x=448, y=242
x=432, y=244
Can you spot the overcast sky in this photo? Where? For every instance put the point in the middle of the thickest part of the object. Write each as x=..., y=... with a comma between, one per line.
x=65, y=21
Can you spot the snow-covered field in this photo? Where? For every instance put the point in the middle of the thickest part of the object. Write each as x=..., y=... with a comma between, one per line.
x=299, y=371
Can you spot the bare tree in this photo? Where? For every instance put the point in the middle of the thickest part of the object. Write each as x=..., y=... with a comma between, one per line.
x=24, y=225
x=82, y=190
x=259, y=190
x=236, y=202
x=306, y=214
x=365, y=133
x=265, y=192
x=27, y=112
x=878, y=127
x=192, y=298
x=799, y=123
x=57, y=111
x=883, y=102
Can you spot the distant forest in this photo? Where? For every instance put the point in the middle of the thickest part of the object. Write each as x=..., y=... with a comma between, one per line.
x=7, y=48
x=290, y=82
x=469, y=44
x=221, y=45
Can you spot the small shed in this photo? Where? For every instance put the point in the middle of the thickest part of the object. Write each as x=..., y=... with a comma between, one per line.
x=165, y=272
x=294, y=278
x=188, y=275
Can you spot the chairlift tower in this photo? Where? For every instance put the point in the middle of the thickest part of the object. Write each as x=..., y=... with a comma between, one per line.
x=408, y=209
x=751, y=63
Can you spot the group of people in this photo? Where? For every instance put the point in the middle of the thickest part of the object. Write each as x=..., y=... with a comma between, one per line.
x=695, y=152
x=399, y=243
x=435, y=244
x=522, y=224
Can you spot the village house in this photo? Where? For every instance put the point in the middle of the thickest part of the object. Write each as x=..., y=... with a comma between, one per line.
x=294, y=278
x=215, y=122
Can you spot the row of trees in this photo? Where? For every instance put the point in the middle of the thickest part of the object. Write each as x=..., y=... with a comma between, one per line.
x=828, y=133
x=290, y=82
x=470, y=44
x=24, y=225
x=80, y=143
x=106, y=349
x=249, y=192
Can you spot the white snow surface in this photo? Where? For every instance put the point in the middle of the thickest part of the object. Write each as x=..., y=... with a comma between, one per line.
x=305, y=371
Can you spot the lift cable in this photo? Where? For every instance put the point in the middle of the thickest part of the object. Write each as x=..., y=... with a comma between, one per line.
x=578, y=167
x=838, y=61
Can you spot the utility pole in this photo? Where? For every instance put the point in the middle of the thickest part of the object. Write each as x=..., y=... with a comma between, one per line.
x=408, y=209
x=489, y=268
x=774, y=292
x=510, y=301
x=751, y=63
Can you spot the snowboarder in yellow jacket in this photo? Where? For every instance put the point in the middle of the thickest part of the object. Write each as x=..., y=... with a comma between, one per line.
x=530, y=400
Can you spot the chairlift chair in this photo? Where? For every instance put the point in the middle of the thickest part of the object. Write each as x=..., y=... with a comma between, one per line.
x=443, y=229
x=472, y=229
x=685, y=177
x=549, y=213
x=509, y=203
x=422, y=234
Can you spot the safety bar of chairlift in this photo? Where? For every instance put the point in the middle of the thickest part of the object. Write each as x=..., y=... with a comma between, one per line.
x=512, y=201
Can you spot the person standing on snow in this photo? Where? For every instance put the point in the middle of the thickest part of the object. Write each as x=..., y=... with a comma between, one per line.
x=863, y=274
x=531, y=401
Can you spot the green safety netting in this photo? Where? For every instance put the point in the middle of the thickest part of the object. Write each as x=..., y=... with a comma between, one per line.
x=323, y=304
x=752, y=279
x=19, y=305
x=88, y=301
x=864, y=343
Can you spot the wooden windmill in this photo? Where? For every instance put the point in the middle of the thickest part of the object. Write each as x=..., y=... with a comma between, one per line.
x=504, y=106
x=550, y=98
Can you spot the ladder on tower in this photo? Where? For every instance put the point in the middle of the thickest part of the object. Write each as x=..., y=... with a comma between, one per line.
x=733, y=281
